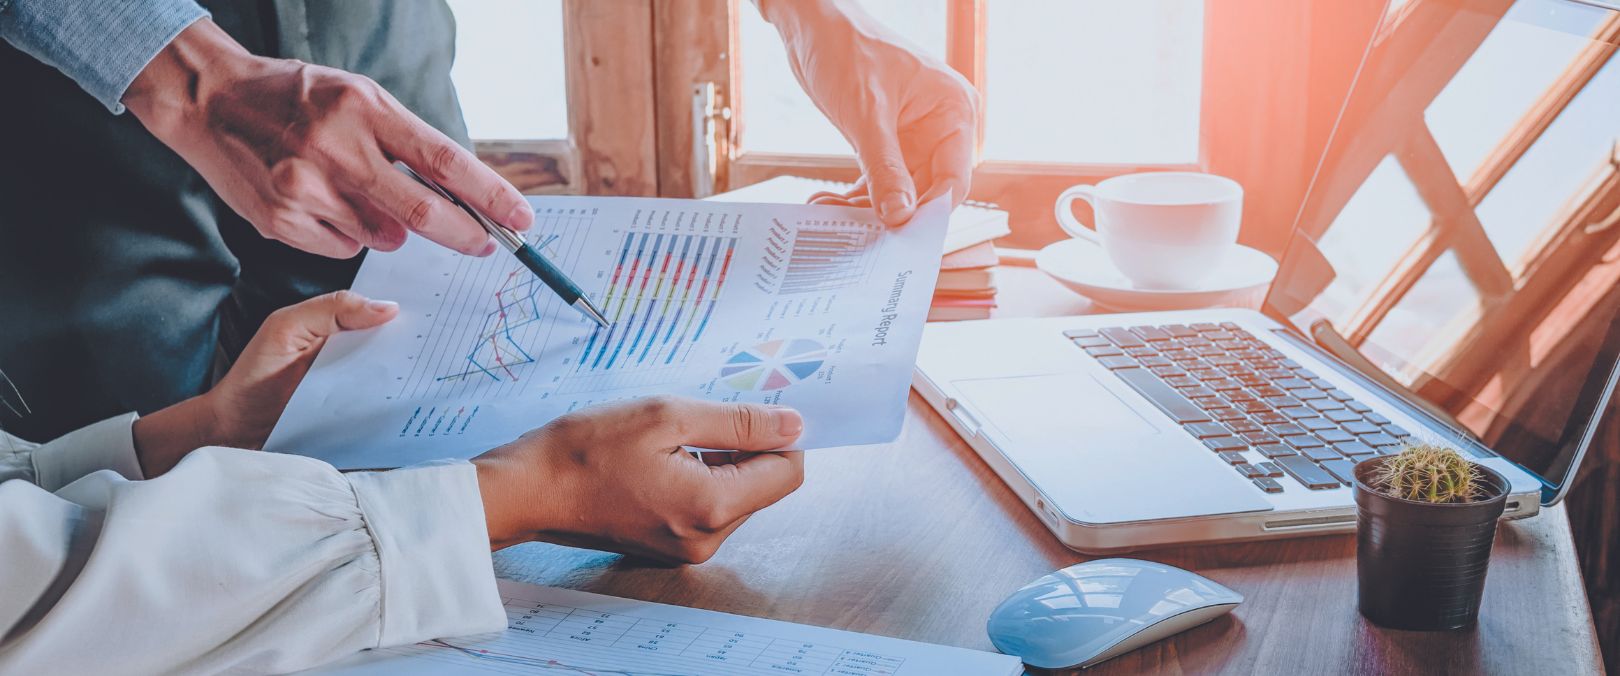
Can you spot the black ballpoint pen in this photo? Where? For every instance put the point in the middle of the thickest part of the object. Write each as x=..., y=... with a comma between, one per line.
x=531, y=259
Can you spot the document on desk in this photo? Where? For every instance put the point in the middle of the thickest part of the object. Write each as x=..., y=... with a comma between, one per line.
x=560, y=631
x=815, y=307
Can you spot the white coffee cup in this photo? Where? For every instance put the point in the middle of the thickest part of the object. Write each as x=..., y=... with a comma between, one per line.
x=1164, y=230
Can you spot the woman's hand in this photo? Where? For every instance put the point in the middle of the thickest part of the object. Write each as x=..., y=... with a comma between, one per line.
x=912, y=120
x=241, y=410
x=248, y=401
x=618, y=477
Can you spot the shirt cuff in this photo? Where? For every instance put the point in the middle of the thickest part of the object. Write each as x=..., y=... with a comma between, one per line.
x=101, y=44
x=433, y=549
x=109, y=444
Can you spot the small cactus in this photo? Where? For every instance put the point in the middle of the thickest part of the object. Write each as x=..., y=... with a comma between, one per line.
x=1428, y=473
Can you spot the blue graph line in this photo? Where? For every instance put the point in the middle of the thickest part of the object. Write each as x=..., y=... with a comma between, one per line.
x=686, y=247
x=617, y=270
x=682, y=309
x=641, y=247
x=509, y=299
x=653, y=303
x=707, y=272
x=640, y=292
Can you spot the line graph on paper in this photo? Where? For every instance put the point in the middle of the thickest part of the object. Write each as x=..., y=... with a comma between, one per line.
x=496, y=351
x=495, y=321
x=495, y=333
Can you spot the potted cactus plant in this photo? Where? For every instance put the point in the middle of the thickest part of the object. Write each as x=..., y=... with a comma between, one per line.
x=1426, y=519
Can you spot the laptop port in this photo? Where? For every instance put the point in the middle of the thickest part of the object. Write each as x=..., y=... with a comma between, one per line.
x=1046, y=512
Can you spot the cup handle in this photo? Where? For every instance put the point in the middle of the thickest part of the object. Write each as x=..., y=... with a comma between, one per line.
x=1065, y=214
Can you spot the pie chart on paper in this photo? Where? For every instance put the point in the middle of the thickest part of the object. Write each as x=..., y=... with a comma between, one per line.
x=773, y=365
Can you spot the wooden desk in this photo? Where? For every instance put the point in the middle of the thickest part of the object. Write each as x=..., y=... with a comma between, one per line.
x=920, y=540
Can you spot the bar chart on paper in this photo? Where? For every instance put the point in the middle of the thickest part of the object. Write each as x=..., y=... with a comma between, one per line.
x=560, y=631
x=660, y=299
x=772, y=304
x=818, y=256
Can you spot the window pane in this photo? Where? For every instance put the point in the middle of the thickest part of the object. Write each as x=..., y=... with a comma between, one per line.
x=1510, y=72
x=1377, y=226
x=777, y=115
x=1094, y=81
x=1426, y=323
x=1556, y=170
x=509, y=70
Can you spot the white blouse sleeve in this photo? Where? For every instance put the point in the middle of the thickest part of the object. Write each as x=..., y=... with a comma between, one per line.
x=109, y=444
x=239, y=559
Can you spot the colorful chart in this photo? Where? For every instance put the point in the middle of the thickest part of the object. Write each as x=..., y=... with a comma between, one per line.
x=819, y=257
x=773, y=365
x=496, y=350
x=662, y=293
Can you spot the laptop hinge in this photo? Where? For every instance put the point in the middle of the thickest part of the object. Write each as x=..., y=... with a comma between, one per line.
x=1334, y=343
x=1409, y=402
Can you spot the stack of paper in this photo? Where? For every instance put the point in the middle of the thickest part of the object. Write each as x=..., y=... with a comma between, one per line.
x=967, y=280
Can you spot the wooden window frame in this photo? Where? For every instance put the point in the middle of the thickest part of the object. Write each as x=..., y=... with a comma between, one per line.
x=611, y=146
x=1242, y=134
x=633, y=118
x=1004, y=182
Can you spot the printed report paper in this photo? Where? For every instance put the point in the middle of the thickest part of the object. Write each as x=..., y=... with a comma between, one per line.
x=560, y=631
x=815, y=307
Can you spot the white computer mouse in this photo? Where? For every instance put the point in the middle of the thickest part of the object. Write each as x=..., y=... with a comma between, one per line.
x=1095, y=611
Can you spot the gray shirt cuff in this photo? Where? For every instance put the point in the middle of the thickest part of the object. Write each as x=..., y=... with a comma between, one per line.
x=101, y=44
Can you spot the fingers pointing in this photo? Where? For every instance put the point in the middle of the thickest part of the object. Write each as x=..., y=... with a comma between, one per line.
x=434, y=155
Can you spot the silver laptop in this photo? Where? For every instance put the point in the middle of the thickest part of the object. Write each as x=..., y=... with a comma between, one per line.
x=1475, y=308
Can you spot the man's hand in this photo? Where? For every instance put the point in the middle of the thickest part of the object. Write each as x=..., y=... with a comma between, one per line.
x=912, y=120
x=241, y=410
x=617, y=477
x=305, y=153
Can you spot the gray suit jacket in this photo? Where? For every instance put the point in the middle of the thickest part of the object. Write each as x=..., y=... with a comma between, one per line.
x=125, y=282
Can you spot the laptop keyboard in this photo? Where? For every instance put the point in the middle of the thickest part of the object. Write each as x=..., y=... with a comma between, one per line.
x=1274, y=421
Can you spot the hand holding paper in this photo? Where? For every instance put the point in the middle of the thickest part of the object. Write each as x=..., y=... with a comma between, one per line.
x=815, y=307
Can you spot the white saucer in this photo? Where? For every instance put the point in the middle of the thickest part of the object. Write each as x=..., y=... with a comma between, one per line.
x=1240, y=281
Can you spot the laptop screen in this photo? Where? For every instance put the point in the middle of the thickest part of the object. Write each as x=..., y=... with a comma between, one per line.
x=1461, y=235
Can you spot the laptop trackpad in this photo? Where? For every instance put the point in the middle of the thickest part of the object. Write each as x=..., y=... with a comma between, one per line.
x=1061, y=403
x=1098, y=458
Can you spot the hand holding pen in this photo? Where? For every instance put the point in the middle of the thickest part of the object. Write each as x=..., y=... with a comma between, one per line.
x=531, y=258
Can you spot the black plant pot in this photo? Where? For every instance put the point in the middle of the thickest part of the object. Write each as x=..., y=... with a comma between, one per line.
x=1421, y=566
